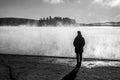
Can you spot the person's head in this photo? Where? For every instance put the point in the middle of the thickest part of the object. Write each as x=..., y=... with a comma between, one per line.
x=79, y=33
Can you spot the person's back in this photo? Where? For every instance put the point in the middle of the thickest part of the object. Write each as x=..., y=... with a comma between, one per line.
x=79, y=43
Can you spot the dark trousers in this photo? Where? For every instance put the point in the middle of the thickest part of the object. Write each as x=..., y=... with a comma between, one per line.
x=79, y=58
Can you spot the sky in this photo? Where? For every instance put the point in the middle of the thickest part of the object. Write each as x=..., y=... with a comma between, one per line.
x=83, y=11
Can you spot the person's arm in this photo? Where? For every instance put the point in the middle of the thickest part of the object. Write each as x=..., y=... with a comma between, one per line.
x=74, y=42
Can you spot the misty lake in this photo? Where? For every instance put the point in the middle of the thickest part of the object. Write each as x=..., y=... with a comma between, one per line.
x=101, y=42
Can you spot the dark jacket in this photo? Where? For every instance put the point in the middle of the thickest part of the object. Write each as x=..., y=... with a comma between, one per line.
x=79, y=43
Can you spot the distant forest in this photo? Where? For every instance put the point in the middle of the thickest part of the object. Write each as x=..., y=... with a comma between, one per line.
x=48, y=21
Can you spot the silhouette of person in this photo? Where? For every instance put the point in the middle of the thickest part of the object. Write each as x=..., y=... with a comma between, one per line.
x=79, y=43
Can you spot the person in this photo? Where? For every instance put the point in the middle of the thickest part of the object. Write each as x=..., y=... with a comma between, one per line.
x=79, y=43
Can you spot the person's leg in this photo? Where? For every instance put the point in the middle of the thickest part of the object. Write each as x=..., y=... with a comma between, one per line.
x=80, y=58
x=77, y=58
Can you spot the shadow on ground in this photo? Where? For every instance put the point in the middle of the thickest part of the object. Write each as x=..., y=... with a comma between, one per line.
x=72, y=74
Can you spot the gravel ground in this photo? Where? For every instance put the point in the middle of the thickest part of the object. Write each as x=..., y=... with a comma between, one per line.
x=41, y=68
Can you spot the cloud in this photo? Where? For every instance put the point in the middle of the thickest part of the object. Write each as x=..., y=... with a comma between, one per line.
x=54, y=1
x=109, y=3
x=78, y=1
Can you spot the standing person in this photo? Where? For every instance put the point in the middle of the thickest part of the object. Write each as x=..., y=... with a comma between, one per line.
x=79, y=43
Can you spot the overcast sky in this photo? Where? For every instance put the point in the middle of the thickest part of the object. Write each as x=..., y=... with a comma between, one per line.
x=82, y=10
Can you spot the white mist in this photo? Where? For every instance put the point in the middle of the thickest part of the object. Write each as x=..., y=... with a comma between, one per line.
x=101, y=42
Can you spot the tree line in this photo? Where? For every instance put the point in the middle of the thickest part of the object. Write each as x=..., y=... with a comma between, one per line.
x=48, y=21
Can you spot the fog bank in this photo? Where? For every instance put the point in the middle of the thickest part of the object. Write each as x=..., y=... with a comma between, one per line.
x=101, y=42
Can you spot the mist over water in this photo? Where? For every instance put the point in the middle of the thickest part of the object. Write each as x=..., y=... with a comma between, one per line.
x=101, y=42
